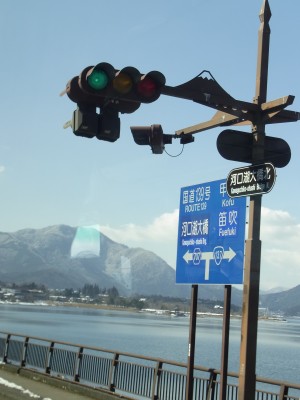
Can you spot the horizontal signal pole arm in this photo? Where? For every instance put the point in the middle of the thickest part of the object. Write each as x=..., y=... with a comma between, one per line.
x=283, y=116
x=278, y=104
x=232, y=106
x=219, y=119
x=272, y=109
x=213, y=97
x=226, y=119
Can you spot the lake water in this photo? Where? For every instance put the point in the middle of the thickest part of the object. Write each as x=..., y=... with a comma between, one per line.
x=278, y=355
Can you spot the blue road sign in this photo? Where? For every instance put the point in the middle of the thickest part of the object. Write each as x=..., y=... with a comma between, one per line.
x=211, y=235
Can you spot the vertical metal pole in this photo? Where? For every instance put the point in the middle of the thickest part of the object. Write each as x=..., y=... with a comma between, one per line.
x=247, y=373
x=225, y=342
x=191, y=349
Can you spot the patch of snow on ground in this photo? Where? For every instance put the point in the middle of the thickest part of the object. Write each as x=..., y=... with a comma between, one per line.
x=17, y=387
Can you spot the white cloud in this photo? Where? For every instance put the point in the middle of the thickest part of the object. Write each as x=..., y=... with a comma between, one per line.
x=162, y=228
x=2, y=168
x=280, y=235
x=160, y=236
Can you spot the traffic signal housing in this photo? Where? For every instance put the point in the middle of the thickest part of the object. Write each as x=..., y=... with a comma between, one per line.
x=103, y=126
x=84, y=123
x=112, y=91
x=119, y=87
x=123, y=90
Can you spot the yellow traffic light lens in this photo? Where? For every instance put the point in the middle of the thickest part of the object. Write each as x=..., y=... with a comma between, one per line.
x=122, y=83
x=97, y=80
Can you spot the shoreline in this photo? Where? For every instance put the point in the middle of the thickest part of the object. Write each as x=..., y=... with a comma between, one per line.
x=156, y=312
x=67, y=304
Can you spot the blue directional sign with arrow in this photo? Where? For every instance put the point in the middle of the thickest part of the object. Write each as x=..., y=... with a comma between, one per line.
x=211, y=235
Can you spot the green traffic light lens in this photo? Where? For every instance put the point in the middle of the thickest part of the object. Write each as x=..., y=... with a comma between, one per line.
x=97, y=80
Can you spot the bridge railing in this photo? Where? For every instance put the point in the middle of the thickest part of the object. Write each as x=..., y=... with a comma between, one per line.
x=124, y=373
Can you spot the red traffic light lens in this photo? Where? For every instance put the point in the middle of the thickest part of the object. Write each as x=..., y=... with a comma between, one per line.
x=147, y=87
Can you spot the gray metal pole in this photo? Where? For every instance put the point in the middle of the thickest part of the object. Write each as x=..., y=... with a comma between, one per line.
x=247, y=373
x=225, y=342
x=192, y=339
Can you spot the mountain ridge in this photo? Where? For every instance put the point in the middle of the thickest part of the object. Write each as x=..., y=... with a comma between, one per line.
x=61, y=256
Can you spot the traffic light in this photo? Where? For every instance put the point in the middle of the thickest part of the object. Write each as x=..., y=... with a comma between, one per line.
x=151, y=135
x=123, y=89
x=112, y=91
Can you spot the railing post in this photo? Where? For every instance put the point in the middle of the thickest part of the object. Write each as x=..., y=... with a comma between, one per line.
x=49, y=361
x=6, y=348
x=284, y=391
x=77, y=372
x=112, y=372
x=23, y=361
x=156, y=380
x=211, y=386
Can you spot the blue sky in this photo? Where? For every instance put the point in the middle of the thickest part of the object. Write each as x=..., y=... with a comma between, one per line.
x=49, y=176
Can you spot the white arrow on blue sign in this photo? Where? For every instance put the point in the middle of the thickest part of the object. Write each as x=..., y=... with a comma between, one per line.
x=211, y=235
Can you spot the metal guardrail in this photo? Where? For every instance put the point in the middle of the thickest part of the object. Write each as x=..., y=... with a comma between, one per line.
x=138, y=376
